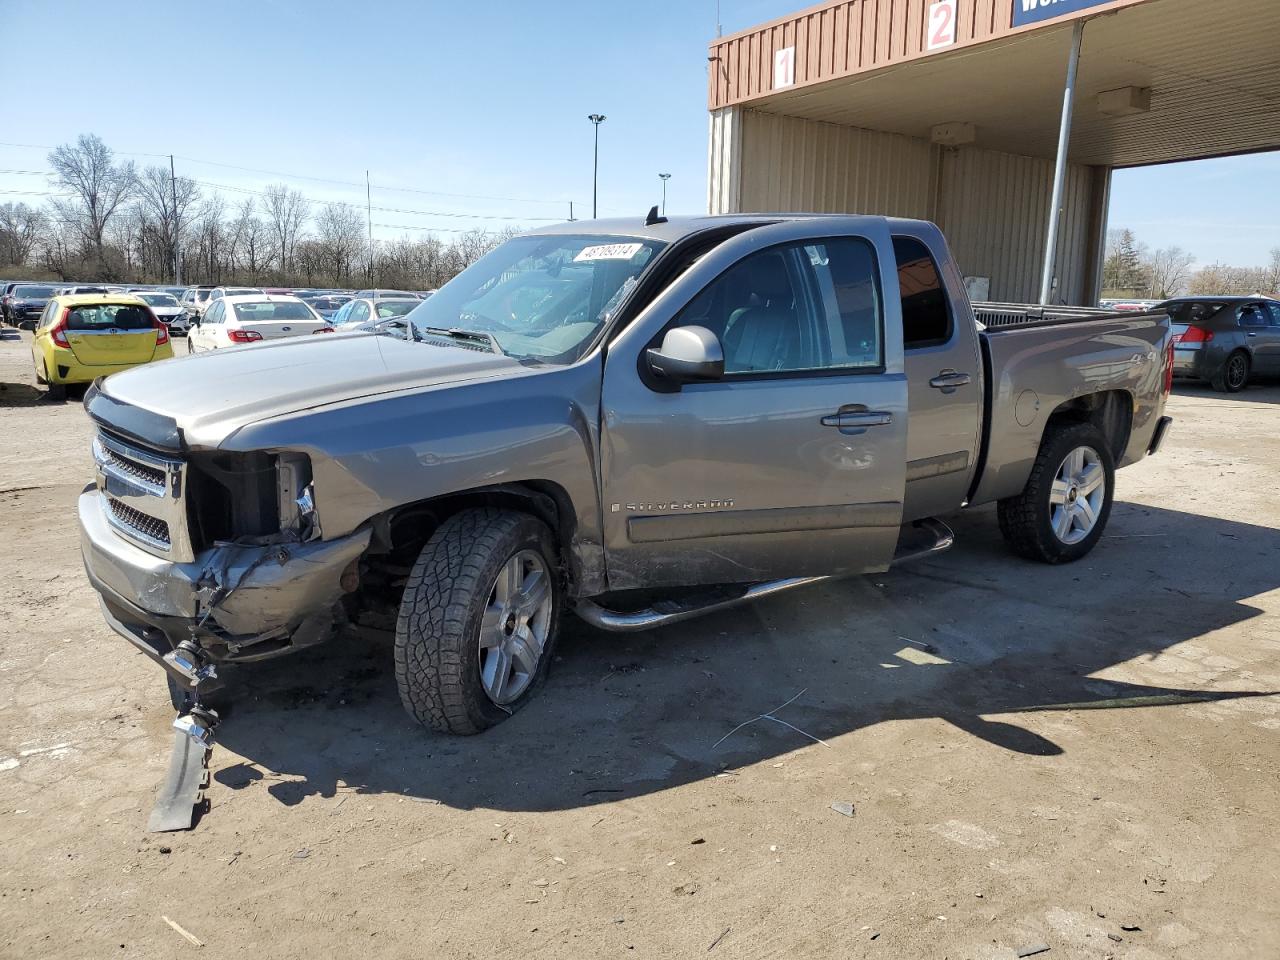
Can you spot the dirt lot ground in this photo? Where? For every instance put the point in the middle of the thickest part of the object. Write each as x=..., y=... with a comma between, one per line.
x=1086, y=750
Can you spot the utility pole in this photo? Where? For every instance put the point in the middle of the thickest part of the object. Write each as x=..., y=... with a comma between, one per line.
x=596, y=119
x=177, y=243
x=571, y=217
x=368, y=210
x=664, y=177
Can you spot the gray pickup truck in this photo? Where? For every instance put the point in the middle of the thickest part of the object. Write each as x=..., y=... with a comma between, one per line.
x=703, y=410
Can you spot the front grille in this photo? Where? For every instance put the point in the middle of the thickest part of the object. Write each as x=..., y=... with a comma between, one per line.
x=144, y=496
x=150, y=527
x=139, y=471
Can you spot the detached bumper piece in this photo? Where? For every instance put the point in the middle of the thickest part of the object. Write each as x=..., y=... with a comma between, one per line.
x=182, y=795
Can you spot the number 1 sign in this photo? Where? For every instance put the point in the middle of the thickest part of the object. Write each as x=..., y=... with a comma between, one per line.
x=942, y=25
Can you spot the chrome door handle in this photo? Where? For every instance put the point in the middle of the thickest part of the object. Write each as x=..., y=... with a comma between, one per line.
x=949, y=379
x=846, y=421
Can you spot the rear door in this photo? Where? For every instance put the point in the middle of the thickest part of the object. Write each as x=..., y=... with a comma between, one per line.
x=205, y=334
x=793, y=463
x=111, y=333
x=944, y=377
x=1266, y=351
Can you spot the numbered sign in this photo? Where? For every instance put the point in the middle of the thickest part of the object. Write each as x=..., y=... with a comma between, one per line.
x=784, y=67
x=941, y=26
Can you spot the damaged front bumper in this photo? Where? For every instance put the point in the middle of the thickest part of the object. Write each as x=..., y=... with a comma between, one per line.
x=233, y=603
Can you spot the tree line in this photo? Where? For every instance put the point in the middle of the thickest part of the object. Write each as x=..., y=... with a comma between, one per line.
x=1132, y=269
x=115, y=222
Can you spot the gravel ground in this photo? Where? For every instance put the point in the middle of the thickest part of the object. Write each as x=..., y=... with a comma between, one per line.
x=1082, y=757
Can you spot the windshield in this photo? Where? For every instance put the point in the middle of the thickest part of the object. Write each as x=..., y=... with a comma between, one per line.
x=159, y=299
x=1187, y=312
x=32, y=292
x=541, y=297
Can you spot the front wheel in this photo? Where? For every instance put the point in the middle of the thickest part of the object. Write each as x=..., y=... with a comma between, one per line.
x=1061, y=513
x=478, y=620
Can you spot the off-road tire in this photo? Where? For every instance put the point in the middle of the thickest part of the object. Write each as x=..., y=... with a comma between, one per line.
x=1224, y=383
x=437, y=654
x=1025, y=519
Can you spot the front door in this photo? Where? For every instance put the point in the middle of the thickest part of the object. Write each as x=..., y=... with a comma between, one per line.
x=793, y=463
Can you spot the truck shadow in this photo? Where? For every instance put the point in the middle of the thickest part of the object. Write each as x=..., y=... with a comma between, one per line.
x=977, y=638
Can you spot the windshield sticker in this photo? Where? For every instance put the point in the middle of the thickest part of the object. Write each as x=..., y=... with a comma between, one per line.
x=609, y=251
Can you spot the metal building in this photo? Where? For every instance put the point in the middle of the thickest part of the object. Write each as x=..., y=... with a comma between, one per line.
x=951, y=110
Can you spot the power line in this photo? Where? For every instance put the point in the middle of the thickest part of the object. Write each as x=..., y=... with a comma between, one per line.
x=303, y=176
x=354, y=206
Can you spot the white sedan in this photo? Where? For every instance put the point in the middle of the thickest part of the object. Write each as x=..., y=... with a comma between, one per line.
x=232, y=321
x=166, y=308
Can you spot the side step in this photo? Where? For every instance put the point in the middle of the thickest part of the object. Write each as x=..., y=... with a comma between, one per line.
x=916, y=542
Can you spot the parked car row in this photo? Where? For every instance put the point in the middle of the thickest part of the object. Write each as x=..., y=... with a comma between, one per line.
x=22, y=302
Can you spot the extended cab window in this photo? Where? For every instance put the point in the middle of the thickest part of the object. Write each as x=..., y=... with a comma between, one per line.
x=806, y=306
x=926, y=313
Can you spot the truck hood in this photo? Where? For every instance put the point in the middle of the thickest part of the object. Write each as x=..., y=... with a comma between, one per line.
x=205, y=397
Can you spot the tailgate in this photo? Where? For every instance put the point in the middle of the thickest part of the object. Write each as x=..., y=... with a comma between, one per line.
x=97, y=347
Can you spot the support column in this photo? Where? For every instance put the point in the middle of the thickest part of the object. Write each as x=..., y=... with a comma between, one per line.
x=1060, y=169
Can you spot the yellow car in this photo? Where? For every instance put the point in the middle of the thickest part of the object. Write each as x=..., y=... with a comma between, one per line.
x=80, y=338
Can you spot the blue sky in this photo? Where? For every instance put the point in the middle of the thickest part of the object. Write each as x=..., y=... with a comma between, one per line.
x=487, y=100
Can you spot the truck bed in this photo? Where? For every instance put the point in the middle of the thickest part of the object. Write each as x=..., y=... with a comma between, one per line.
x=1001, y=316
x=1034, y=367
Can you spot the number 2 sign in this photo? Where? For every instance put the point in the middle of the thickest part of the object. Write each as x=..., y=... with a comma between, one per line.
x=942, y=25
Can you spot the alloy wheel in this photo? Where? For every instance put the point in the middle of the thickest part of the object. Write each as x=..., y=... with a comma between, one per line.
x=513, y=630
x=1077, y=496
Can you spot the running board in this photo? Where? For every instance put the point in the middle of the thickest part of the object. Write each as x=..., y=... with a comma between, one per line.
x=916, y=542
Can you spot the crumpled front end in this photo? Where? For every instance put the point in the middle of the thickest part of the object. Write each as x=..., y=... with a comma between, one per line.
x=208, y=558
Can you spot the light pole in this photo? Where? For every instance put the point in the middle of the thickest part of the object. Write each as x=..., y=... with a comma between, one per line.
x=596, y=119
x=664, y=177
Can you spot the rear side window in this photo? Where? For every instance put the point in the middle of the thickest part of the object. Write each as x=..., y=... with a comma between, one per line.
x=926, y=311
x=108, y=317
x=1254, y=315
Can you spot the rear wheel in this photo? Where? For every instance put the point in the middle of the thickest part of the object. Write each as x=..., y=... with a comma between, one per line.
x=478, y=620
x=1061, y=513
x=1234, y=375
x=57, y=392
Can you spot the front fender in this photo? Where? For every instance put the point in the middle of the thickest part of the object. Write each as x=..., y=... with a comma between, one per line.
x=372, y=455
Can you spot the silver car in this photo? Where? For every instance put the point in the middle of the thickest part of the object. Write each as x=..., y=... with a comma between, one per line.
x=1225, y=340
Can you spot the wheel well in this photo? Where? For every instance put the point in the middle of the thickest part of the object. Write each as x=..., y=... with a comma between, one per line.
x=402, y=532
x=1110, y=411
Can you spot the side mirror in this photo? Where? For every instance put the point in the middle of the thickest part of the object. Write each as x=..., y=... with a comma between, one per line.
x=687, y=355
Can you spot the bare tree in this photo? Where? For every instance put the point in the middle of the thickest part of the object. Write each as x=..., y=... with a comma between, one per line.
x=157, y=195
x=340, y=235
x=1167, y=272
x=21, y=229
x=249, y=239
x=286, y=213
x=98, y=184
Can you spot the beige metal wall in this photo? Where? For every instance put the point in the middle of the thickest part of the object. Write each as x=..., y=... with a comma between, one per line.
x=793, y=164
x=992, y=206
x=994, y=210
